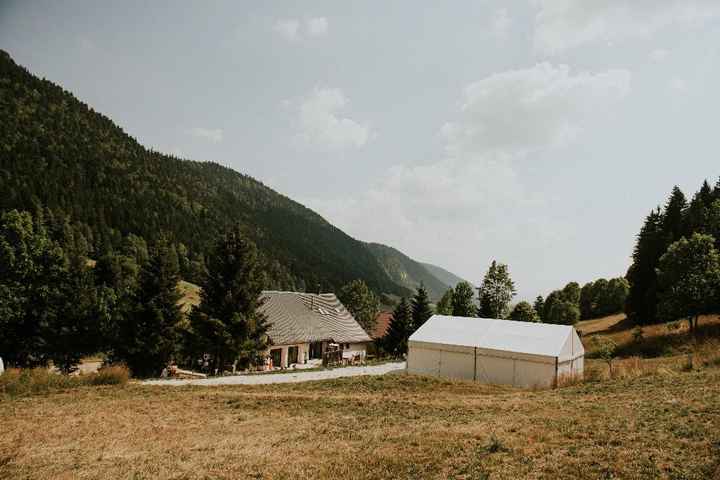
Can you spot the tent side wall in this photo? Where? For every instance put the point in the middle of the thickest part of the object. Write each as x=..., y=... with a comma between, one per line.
x=571, y=360
x=482, y=365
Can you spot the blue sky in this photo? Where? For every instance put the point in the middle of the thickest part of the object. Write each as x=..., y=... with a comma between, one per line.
x=538, y=133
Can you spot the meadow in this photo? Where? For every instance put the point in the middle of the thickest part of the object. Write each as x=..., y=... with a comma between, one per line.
x=656, y=418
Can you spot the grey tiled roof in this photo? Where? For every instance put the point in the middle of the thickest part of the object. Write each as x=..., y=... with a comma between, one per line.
x=296, y=317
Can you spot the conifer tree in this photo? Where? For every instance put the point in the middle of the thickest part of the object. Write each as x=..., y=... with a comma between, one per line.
x=227, y=323
x=539, y=307
x=463, y=304
x=421, y=310
x=395, y=340
x=147, y=338
x=496, y=291
x=673, y=221
x=641, y=304
x=445, y=305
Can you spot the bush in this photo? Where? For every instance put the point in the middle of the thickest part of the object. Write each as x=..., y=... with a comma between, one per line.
x=16, y=382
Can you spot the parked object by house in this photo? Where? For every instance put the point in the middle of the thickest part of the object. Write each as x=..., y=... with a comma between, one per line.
x=303, y=325
x=522, y=354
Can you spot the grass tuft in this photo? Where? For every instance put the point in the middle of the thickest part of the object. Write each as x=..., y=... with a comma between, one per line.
x=22, y=382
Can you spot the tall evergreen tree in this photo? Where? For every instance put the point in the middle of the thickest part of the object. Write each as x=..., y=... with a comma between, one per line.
x=445, y=305
x=673, y=221
x=148, y=338
x=496, y=291
x=395, y=340
x=463, y=304
x=539, y=307
x=227, y=323
x=421, y=309
x=641, y=304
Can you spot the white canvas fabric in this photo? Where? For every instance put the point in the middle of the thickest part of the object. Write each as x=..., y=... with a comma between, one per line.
x=504, y=335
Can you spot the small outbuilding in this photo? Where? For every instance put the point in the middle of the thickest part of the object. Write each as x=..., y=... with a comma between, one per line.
x=522, y=354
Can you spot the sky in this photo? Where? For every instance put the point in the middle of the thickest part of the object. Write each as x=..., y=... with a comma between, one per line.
x=539, y=133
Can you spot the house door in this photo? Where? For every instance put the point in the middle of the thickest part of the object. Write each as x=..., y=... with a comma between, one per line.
x=276, y=355
x=316, y=350
x=292, y=355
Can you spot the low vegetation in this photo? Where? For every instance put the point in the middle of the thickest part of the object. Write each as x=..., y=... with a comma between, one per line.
x=644, y=423
x=19, y=383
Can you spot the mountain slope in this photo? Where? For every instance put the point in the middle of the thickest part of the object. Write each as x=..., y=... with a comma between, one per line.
x=58, y=153
x=448, y=278
x=407, y=272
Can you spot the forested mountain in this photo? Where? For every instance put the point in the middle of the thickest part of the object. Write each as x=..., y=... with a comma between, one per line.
x=405, y=271
x=59, y=156
x=446, y=277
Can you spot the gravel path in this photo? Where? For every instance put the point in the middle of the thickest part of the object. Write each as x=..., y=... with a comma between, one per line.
x=299, y=376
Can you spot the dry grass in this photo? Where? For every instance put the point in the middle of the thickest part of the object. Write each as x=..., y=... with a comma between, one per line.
x=660, y=424
x=14, y=382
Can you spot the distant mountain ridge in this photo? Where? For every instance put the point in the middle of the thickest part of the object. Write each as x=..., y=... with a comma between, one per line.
x=445, y=276
x=59, y=154
x=407, y=272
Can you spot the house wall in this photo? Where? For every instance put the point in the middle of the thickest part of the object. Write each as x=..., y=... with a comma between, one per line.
x=354, y=349
x=481, y=365
x=303, y=353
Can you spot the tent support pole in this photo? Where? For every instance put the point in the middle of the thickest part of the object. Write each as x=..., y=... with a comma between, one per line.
x=475, y=366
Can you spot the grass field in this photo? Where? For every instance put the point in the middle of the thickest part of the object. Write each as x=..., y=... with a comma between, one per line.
x=655, y=419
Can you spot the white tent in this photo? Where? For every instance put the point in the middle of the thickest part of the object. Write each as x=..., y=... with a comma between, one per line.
x=486, y=350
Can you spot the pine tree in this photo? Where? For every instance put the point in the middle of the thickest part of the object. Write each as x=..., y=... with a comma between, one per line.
x=641, y=304
x=496, y=291
x=147, y=338
x=395, y=340
x=463, y=304
x=673, y=221
x=227, y=323
x=539, y=307
x=421, y=310
x=445, y=305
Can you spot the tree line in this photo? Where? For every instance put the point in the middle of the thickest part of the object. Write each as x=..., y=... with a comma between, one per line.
x=57, y=305
x=675, y=272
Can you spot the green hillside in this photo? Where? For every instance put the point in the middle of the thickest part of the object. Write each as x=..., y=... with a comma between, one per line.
x=58, y=153
x=446, y=277
x=407, y=272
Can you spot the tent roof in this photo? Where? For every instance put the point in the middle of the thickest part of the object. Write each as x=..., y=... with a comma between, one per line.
x=505, y=335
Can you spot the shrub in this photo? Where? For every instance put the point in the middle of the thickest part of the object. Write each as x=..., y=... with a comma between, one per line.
x=110, y=375
x=16, y=382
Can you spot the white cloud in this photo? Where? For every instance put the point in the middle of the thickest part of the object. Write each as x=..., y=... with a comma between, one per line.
x=517, y=111
x=472, y=198
x=214, y=135
x=501, y=23
x=564, y=24
x=679, y=85
x=289, y=28
x=321, y=124
x=316, y=27
x=659, y=55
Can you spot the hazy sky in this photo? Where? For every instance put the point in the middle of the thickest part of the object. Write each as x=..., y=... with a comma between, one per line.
x=539, y=133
